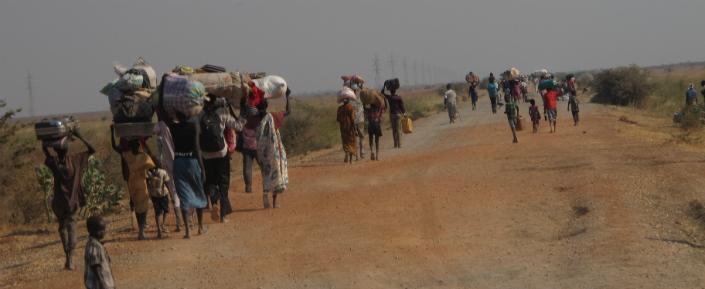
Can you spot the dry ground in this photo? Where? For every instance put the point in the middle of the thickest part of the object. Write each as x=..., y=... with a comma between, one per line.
x=607, y=204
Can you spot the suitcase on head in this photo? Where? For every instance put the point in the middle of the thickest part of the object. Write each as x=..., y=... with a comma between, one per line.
x=55, y=128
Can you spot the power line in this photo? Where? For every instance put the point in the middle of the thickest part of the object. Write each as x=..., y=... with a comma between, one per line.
x=31, y=96
x=392, y=64
x=377, y=69
x=406, y=72
x=416, y=76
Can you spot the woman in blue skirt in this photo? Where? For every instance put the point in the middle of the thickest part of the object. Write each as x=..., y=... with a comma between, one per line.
x=188, y=170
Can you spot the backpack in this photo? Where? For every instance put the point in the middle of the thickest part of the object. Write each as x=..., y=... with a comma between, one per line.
x=211, y=137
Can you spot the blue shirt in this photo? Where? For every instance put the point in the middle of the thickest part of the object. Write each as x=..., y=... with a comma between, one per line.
x=690, y=95
x=492, y=89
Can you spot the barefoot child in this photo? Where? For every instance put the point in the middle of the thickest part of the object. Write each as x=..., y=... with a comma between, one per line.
x=157, y=179
x=535, y=115
x=97, y=273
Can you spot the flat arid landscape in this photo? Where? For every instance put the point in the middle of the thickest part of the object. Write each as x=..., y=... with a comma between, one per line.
x=611, y=203
x=542, y=144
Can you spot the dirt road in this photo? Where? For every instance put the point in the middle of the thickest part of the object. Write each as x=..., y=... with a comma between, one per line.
x=602, y=205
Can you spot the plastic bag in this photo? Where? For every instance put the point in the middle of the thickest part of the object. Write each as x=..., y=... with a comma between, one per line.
x=273, y=86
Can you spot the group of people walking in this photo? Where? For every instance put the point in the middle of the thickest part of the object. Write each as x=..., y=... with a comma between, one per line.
x=190, y=171
x=191, y=168
x=514, y=90
x=354, y=115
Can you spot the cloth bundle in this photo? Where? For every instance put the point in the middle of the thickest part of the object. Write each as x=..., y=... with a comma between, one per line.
x=182, y=95
x=346, y=93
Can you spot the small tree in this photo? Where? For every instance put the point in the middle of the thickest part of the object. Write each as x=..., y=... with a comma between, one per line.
x=20, y=201
x=622, y=86
x=46, y=183
x=100, y=196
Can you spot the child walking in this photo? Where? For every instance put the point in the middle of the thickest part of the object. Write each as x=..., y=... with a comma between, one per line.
x=157, y=179
x=535, y=115
x=512, y=111
x=97, y=273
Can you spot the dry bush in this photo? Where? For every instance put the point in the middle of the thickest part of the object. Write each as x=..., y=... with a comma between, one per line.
x=622, y=86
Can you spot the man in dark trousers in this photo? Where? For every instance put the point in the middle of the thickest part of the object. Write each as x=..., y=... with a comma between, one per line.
x=215, y=119
x=396, y=113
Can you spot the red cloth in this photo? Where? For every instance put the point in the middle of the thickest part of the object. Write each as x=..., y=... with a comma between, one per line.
x=231, y=139
x=256, y=96
x=249, y=132
x=551, y=99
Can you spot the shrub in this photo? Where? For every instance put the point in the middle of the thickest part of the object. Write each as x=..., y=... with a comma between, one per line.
x=101, y=196
x=310, y=127
x=20, y=201
x=622, y=86
x=46, y=183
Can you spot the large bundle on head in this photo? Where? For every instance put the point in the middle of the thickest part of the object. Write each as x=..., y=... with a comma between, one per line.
x=540, y=73
x=221, y=84
x=547, y=84
x=272, y=86
x=472, y=78
x=350, y=80
x=346, y=93
x=392, y=84
x=371, y=97
x=217, y=81
x=514, y=72
x=131, y=96
x=182, y=95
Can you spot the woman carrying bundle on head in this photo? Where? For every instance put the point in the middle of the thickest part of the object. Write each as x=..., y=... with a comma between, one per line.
x=346, y=119
x=261, y=142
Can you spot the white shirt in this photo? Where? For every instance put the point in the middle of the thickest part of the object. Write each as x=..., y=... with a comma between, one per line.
x=450, y=96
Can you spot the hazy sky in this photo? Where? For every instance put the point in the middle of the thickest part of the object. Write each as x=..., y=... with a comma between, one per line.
x=69, y=45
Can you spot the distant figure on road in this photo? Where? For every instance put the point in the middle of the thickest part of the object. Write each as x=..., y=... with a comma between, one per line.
x=512, y=111
x=574, y=108
x=396, y=112
x=348, y=131
x=67, y=170
x=493, y=92
x=535, y=115
x=473, y=81
x=702, y=84
x=691, y=96
x=551, y=107
x=450, y=98
x=373, y=116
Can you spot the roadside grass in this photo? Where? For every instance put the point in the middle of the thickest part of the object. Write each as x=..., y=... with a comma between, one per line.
x=668, y=96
